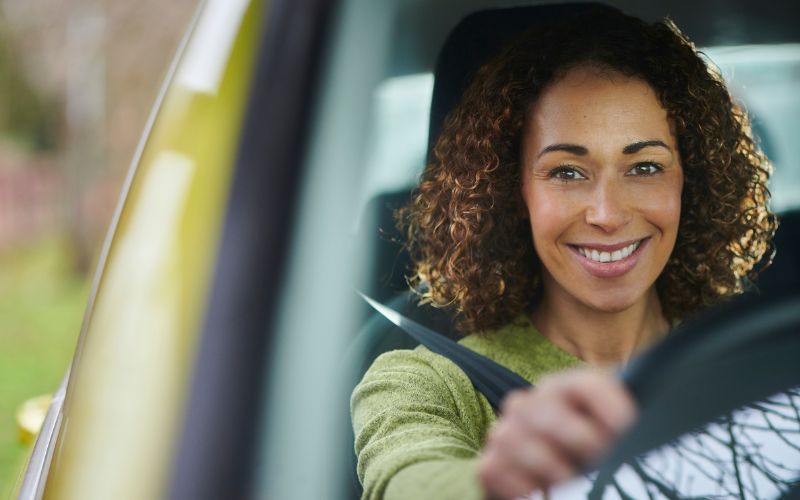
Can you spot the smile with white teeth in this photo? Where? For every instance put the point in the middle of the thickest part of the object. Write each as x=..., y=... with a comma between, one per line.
x=614, y=256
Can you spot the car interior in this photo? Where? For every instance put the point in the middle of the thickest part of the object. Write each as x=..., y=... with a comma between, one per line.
x=473, y=40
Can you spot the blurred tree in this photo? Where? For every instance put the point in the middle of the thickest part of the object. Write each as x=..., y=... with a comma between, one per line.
x=86, y=122
x=102, y=61
x=27, y=116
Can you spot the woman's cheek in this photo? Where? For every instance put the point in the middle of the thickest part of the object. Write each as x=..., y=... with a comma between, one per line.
x=661, y=204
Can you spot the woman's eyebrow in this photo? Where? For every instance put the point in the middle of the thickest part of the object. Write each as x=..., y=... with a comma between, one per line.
x=582, y=151
x=638, y=146
x=569, y=148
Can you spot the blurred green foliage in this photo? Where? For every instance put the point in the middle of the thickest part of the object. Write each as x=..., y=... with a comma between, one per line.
x=41, y=307
x=26, y=115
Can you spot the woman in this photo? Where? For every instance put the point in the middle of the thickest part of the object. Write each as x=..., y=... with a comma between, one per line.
x=595, y=185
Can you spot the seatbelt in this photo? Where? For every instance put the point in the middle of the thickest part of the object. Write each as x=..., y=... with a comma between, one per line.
x=490, y=378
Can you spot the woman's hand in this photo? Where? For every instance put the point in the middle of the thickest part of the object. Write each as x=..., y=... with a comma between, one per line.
x=545, y=434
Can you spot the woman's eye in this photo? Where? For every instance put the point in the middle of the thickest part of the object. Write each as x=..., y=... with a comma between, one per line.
x=645, y=168
x=566, y=173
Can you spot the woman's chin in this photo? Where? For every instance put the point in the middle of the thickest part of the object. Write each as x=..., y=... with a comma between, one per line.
x=612, y=304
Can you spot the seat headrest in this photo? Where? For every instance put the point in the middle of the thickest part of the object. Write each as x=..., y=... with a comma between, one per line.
x=476, y=39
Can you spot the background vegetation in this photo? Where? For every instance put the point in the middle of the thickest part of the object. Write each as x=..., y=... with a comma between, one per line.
x=41, y=303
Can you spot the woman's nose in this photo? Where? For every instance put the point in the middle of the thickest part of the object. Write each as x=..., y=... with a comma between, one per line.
x=608, y=207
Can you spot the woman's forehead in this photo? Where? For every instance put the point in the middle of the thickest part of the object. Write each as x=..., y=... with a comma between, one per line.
x=597, y=106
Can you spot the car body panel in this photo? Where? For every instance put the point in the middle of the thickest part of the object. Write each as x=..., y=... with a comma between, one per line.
x=125, y=396
x=38, y=466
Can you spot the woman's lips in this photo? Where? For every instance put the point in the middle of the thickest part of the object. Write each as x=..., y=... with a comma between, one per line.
x=612, y=269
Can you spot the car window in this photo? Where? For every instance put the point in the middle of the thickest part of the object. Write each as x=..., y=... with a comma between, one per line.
x=765, y=79
x=398, y=135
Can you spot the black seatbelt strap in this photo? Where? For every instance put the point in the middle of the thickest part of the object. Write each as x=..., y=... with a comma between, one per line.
x=491, y=379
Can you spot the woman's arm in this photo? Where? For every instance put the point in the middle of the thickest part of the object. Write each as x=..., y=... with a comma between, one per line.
x=419, y=426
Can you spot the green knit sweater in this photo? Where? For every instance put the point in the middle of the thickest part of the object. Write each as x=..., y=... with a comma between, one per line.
x=420, y=424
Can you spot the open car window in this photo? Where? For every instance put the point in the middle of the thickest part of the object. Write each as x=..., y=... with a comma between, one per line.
x=223, y=343
x=367, y=138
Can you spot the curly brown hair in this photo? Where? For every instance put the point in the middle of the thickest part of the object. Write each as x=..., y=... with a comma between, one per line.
x=468, y=234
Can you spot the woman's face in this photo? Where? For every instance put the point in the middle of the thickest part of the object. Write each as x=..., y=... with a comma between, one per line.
x=602, y=184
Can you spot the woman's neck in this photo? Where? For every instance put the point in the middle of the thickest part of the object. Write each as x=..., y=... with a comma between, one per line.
x=597, y=337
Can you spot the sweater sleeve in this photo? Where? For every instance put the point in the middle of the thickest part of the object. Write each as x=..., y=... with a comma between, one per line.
x=419, y=425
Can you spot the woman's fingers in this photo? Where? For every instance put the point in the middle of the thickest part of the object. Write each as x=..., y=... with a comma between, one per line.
x=601, y=397
x=544, y=434
x=539, y=458
x=502, y=478
x=510, y=471
x=578, y=437
x=574, y=412
x=517, y=459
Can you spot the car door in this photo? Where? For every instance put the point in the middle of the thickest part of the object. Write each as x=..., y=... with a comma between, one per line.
x=125, y=397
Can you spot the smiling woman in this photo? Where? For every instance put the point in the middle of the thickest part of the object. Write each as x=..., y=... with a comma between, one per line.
x=595, y=185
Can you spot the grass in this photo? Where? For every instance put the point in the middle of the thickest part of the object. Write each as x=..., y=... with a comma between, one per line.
x=41, y=307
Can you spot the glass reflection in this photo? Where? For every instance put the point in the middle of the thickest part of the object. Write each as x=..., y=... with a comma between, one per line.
x=753, y=452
